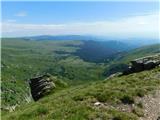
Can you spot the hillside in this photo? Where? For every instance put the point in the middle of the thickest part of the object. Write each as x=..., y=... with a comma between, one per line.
x=119, y=61
x=23, y=59
x=95, y=51
x=140, y=52
x=114, y=98
x=75, y=62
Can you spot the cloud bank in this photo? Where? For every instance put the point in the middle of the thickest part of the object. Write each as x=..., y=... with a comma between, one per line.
x=145, y=26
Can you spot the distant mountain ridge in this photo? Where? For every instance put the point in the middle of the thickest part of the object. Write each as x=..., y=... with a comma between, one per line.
x=136, y=42
x=62, y=37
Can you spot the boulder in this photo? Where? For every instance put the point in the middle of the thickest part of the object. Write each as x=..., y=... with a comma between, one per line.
x=141, y=64
x=137, y=65
x=41, y=86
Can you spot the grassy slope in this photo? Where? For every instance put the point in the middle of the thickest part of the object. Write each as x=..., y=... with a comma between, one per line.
x=27, y=58
x=118, y=63
x=140, y=52
x=22, y=59
x=77, y=103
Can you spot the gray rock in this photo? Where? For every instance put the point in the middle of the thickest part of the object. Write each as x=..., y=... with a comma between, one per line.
x=41, y=86
x=149, y=65
x=141, y=64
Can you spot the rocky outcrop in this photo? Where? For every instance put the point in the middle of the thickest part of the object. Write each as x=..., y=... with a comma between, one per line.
x=41, y=86
x=141, y=64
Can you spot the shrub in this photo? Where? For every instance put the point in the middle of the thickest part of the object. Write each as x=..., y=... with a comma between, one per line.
x=141, y=92
x=126, y=99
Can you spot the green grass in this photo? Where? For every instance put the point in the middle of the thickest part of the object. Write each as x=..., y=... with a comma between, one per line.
x=23, y=59
x=119, y=62
x=140, y=52
x=77, y=103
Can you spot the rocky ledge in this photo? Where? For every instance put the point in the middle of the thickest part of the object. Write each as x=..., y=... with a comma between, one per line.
x=41, y=86
x=141, y=64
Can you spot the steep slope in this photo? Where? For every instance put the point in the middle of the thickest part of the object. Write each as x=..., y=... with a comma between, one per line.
x=70, y=60
x=23, y=59
x=119, y=61
x=140, y=52
x=114, y=98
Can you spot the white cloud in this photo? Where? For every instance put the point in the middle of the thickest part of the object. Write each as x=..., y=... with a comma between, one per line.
x=138, y=26
x=10, y=20
x=21, y=14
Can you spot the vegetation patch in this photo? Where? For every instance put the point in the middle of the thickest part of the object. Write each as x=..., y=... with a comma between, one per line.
x=78, y=102
x=127, y=99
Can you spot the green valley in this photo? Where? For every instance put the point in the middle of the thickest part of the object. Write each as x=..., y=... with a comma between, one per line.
x=80, y=60
x=83, y=72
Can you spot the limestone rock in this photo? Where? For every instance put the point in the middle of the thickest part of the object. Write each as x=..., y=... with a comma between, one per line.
x=41, y=86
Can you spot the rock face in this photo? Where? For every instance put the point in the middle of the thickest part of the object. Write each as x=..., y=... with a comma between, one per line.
x=141, y=64
x=41, y=86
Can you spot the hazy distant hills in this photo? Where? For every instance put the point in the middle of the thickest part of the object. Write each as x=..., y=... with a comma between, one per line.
x=62, y=37
x=99, y=51
x=94, y=48
x=136, y=42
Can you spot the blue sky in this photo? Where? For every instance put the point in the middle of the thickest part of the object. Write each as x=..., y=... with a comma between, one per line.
x=31, y=18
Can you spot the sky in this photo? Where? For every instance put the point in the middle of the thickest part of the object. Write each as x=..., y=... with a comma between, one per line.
x=110, y=19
